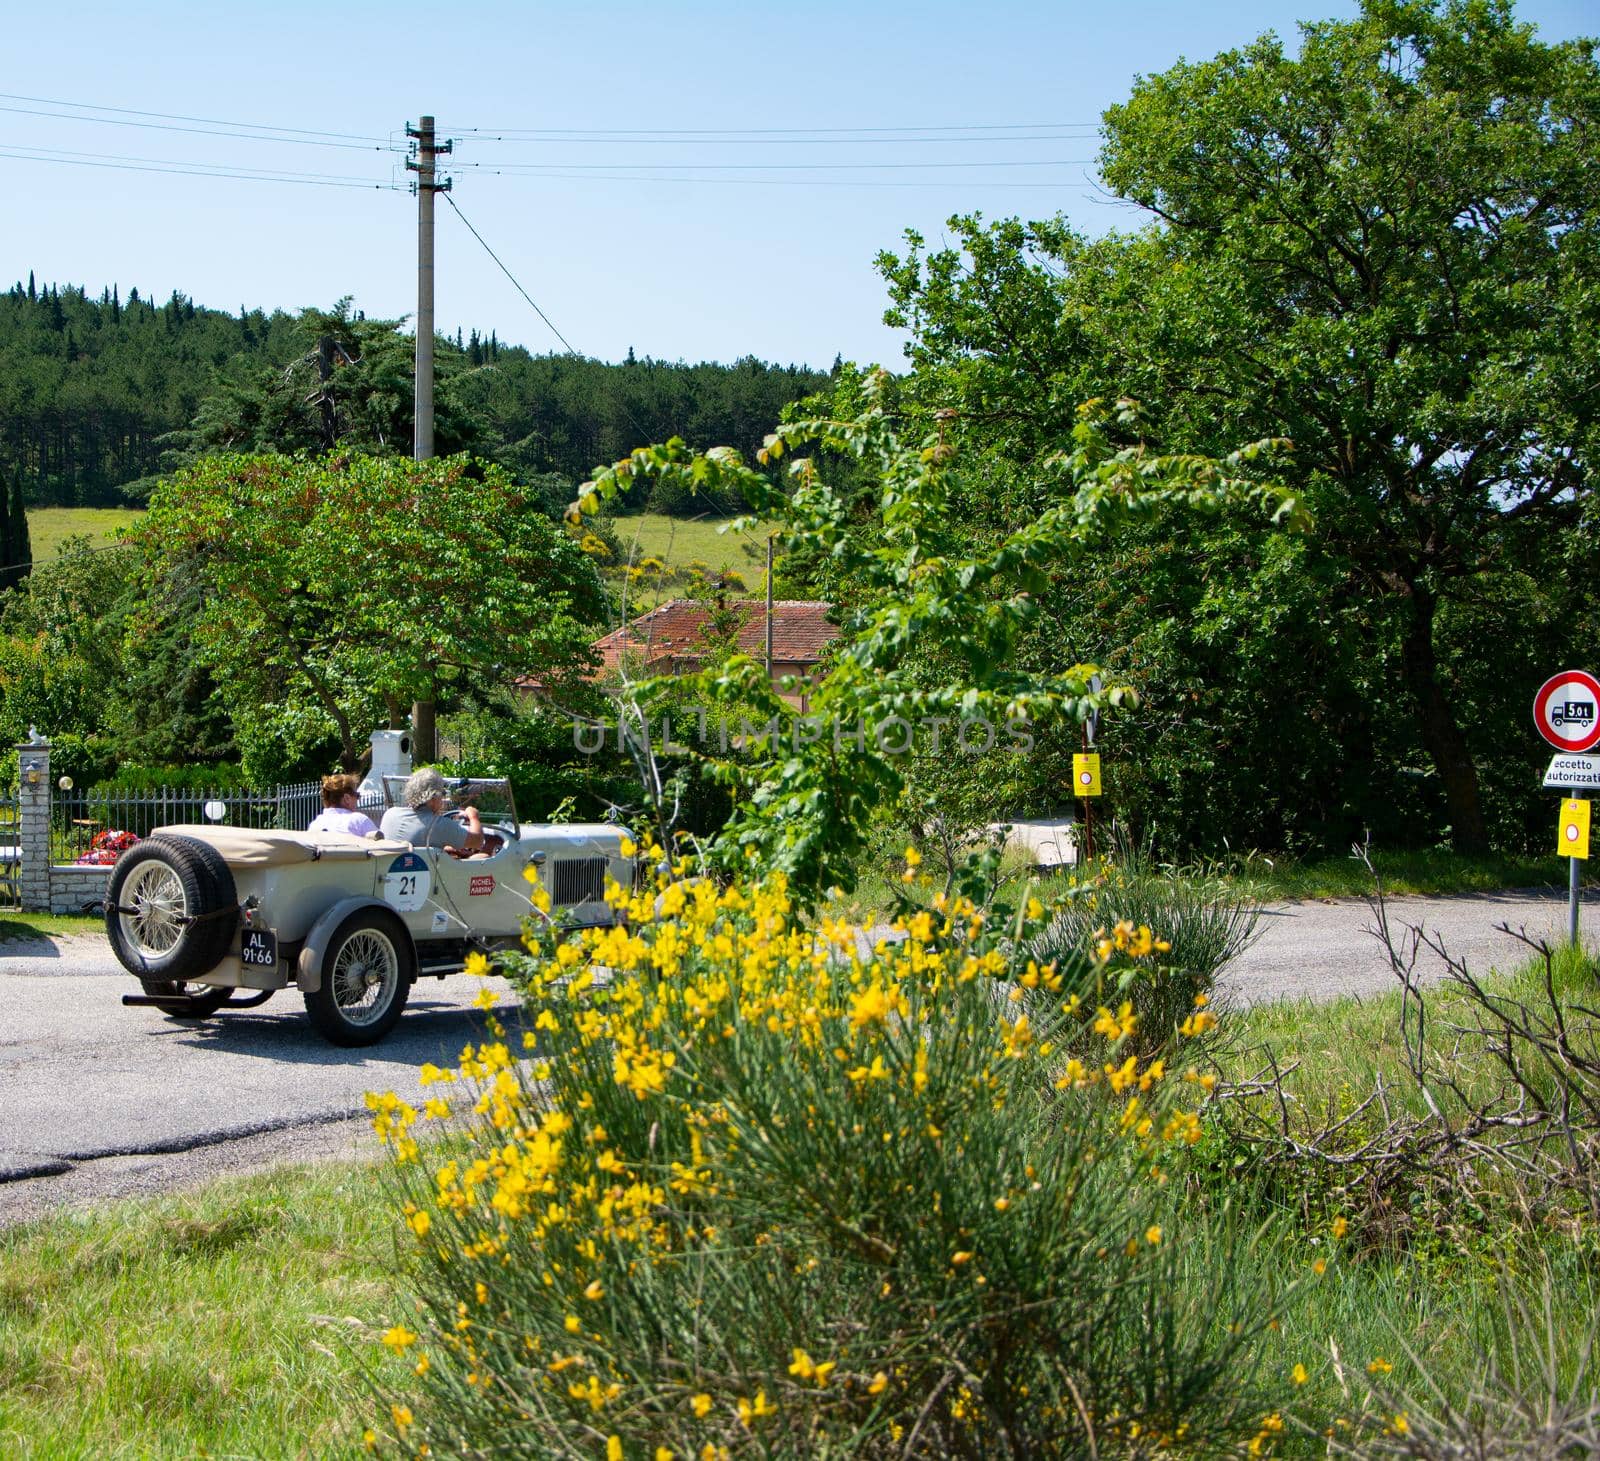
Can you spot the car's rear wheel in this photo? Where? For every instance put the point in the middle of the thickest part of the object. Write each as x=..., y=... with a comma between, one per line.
x=367, y=974
x=171, y=910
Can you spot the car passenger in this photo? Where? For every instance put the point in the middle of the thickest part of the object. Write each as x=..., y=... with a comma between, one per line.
x=340, y=810
x=426, y=820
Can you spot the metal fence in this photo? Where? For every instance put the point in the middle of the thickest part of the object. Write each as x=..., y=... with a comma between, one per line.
x=10, y=854
x=79, y=818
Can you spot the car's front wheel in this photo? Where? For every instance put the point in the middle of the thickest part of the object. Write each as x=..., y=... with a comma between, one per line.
x=366, y=978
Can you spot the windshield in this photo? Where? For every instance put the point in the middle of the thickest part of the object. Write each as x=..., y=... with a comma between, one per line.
x=491, y=795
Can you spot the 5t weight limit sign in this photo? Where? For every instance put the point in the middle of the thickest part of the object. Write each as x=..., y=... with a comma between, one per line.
x=1567, y=710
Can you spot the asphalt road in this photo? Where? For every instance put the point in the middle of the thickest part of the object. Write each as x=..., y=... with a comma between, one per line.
x=99, y=1101
x=1326, y=950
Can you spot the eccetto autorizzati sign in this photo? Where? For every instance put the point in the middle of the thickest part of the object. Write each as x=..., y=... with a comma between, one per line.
x=1577, y=772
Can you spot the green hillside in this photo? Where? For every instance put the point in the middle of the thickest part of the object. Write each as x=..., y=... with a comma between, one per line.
x=50, y=527
x=101, y=396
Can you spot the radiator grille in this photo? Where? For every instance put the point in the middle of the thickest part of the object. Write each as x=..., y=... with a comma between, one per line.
x=578, y=879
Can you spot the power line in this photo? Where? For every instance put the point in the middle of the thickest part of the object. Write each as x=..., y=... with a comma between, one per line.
x=602, y=173
x=180, y=117
x=605, y=140
x=847, y=133
x=199, y=131
x=223, y=167
x=114, y=163
x=512, y=277
x=581, y=168
x=632, y=420
x=577, y=177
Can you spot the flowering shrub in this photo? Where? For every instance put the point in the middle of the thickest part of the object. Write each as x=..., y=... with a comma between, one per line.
x=1205, y=923
x=106, y=848
x=761, y=1190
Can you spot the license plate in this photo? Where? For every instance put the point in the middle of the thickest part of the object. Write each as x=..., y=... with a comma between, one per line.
x=259, y=946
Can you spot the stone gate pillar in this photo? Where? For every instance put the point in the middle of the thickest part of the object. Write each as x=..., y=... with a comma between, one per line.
x=33, y=824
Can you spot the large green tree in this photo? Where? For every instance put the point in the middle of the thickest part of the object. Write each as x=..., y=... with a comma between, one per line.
x=350, y=384
x=326, y=593
x=931, y=639
x=1385, y=249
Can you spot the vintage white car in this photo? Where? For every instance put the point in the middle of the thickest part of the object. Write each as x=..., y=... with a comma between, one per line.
x=210, y=915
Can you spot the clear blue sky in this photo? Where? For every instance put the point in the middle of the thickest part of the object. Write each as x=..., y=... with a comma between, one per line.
x=755, y=242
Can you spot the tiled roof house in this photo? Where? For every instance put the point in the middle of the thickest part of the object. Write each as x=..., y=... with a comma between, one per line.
x=670, y=639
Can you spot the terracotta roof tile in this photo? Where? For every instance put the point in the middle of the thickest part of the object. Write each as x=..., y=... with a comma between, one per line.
x=675, y=631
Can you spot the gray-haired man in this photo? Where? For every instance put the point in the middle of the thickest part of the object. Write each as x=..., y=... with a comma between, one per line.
x=426, y=821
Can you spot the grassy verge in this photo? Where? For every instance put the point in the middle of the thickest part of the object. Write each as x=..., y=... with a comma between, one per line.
x=236, y=1320
x=1344, y=1045
x=1458, y=1292
x=49, y=527
x=14, y=926
x=1267, y=879
x=224, y=1322
x=1378, y=1330
x=1423, y=870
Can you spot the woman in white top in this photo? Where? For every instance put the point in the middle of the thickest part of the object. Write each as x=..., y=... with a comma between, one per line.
x=339, y=812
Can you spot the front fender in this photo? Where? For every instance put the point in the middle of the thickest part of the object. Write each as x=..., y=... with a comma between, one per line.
x=308, y=970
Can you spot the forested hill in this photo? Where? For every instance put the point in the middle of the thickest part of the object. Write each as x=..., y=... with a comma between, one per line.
x=100, y=396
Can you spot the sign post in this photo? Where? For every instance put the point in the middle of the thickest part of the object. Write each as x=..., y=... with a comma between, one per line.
x=1567, y=713
x=1086, y=772
x=1086, y=783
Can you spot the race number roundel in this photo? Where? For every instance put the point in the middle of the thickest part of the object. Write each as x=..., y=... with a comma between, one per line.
x=407, y=883
x=1567, y=710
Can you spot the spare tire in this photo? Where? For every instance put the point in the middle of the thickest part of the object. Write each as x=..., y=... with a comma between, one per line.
x=171, y=909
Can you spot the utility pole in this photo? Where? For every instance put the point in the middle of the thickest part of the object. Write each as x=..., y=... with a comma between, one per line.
x=426, y=186
x=423, y=735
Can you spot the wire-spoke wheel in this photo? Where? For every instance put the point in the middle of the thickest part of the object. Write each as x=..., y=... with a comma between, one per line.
x=154, y=910
x=171, y=913
x=366, y=979
x=365, y=976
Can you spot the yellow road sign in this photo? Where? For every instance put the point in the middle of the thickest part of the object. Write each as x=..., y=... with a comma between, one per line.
x=1574, y=836
x=1086, y=774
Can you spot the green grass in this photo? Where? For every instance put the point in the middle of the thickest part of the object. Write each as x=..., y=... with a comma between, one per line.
x=678, y=543
x=1447, y=1316
x=50, y=527
x=1424, y=870
x=1272, y=879
x=229, y=1322
x=1458, y=1278
x=1267, y=878
x=1342, y=1046
x=15, y=926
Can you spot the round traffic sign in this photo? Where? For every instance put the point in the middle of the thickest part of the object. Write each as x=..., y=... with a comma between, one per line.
x=1567, y=710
